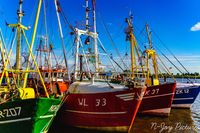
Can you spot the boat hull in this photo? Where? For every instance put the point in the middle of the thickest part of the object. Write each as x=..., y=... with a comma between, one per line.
x=158, y=100
x=185, y=96
x=28, y=116
x=110, y=111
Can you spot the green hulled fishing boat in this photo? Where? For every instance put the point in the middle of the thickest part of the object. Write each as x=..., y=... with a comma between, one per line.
x=25, y=106
x=33, y=115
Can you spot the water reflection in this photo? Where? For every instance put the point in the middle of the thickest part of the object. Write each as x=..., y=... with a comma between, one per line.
x=196, y=112
x=179, y=121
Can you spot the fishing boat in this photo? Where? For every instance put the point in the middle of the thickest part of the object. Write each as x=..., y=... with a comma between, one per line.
x=185, y=95
x=96, y=103
x=158, y=97
x=23, y=108
x=100, y=106
x=55, y=77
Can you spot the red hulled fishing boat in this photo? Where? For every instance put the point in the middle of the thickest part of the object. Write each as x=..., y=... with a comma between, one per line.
x=158, y=96
x=158, y=99
x=101, y=106
x=92, y=102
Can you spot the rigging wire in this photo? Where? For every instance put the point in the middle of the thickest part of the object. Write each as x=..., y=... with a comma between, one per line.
x=140, y=33
x=73, y=29
x=66, y=19
x=167, y=58
x=111, y=40
x=111, y=57
x=101, y=45
x=175, y=66
x=7, y=55
x=170, y=52
x=32, y=16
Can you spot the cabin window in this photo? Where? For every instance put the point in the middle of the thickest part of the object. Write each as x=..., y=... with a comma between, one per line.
x=61, y=75
x=55, y=74
x=46, y=75
x=4, y=81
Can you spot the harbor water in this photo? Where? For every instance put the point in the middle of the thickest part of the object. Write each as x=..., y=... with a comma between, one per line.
x=179, y=121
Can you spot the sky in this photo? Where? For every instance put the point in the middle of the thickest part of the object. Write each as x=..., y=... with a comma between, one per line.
x=176, y=22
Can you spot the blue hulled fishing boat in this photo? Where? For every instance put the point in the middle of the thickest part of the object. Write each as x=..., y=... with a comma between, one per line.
x=185, y=95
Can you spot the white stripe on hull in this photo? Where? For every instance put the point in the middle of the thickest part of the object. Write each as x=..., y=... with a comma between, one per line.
x=146, y=97
x=163, y=111
x=46, y=116
x=127, y=94
x=17, y=120
x=25, y=119
x=96, y=113
x=181, y=105
x=126, y=97
x=188, y=98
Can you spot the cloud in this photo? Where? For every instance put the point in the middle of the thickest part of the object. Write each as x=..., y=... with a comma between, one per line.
x=196, y=27
x=183, y=58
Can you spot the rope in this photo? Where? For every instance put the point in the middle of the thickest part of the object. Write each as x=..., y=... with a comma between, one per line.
x=8, y=99
x=175, y=66
x=116, y=63
x=171, y=53
x=65, y=19
x=165, y=57
x=8, y=61
x=166, y=69
x=111, y=40
x=101, y=45
x=172, y=63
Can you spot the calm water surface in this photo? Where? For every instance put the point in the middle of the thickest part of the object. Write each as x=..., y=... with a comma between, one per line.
x=179, y=121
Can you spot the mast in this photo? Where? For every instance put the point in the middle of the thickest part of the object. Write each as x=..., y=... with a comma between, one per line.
x=18, y=49
x=95, y=38
x=77, y=40
x=131, y=37
x=151, y=53
x=49, y=63
x=149, y=36
x=31, y=47
x=20, y=28
x=147, y=51
x=40, y=53
x=61, y=36
x=93, y=34
x=87, y=15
